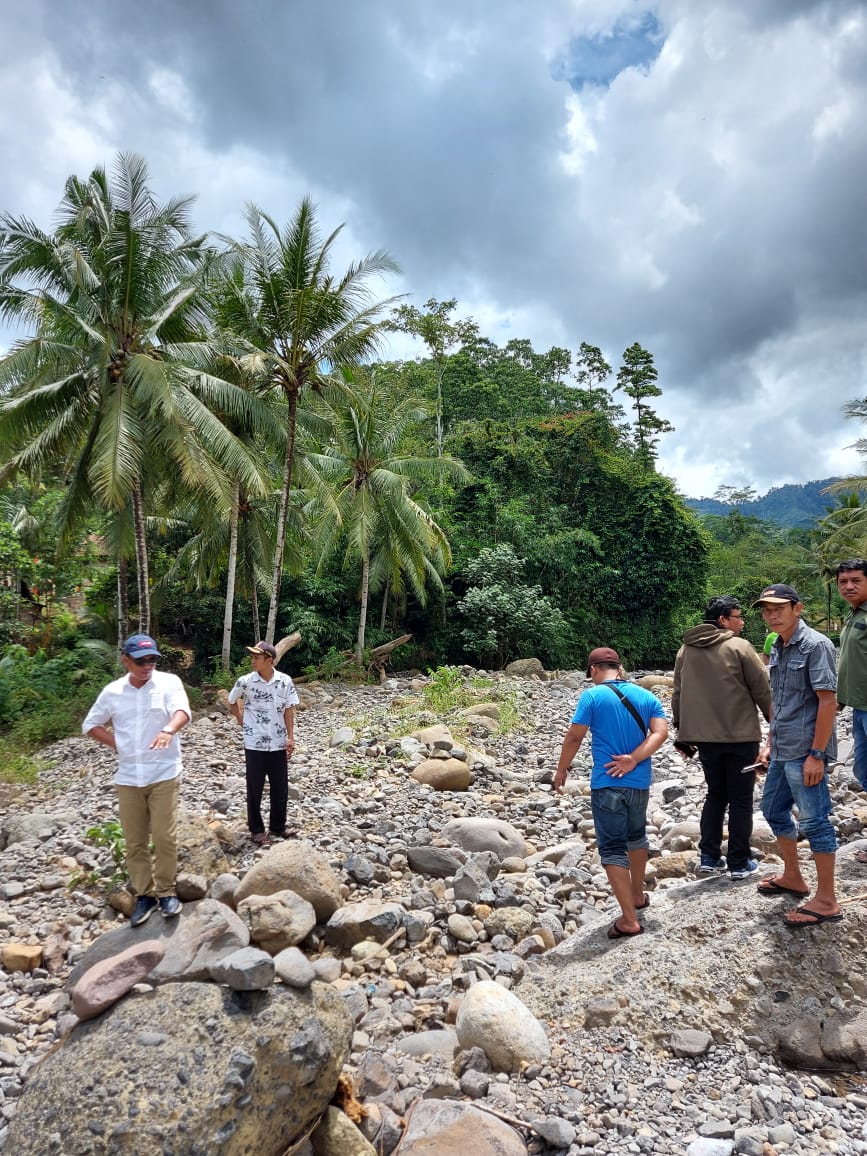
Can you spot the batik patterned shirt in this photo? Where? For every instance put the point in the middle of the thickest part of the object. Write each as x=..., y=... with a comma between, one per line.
x=264, y=703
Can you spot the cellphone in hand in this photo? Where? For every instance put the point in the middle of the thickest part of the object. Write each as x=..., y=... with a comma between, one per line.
x=753, y=767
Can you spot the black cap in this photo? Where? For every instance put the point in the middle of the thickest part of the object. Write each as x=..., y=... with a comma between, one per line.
x=778, y=594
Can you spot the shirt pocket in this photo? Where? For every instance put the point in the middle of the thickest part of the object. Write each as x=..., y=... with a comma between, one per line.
x=795, y=676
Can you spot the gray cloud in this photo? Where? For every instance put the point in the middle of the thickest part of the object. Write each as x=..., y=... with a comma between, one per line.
x=703, y=201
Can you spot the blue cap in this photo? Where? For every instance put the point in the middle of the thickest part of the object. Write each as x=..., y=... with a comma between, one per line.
x=139, y=645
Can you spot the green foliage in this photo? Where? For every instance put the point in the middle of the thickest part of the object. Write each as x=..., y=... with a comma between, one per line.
x=446, y=690
x=43, y=699
x=505, y=618
x=110, y=834
x=18, y=769
x=328, y=667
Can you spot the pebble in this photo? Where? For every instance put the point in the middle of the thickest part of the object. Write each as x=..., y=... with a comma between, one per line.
x=601, y=1089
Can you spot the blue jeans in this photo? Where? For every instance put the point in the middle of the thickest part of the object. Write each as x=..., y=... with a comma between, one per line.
x=784, y=789
x=859, y=734
x=620, y=819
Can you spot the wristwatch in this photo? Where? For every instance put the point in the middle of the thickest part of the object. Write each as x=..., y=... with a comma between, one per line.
x=172, y=733
x=815, y=754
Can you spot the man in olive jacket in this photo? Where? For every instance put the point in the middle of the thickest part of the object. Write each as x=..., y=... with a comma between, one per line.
x=719, y=681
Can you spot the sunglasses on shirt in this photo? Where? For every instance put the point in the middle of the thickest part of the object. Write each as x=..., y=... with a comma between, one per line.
x=145, y=661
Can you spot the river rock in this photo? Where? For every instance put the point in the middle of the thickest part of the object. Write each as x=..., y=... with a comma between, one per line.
x=276, y=921
x=106, y=982
x=199, y=850
x=338, y=1136
x=444, y=1127
x=294, y=866
x=248, y=1073
x=525, y=668
x=443, y=774
x=198, y=938
x=369, y=919
x=496, y=1021
x=479, y=834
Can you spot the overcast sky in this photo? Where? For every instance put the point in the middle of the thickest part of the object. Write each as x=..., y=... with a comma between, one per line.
x=689, y=175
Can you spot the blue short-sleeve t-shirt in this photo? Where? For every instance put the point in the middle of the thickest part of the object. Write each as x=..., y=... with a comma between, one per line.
x=614, y=731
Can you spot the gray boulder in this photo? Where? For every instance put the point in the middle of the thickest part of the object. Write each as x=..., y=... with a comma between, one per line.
x=197, y=939
x=367, y=920
x=436, y=862
x=495, y=835
x=248, y=1073
x=525, y=668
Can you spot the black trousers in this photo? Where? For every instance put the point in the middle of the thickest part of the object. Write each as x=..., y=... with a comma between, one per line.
x=727, y=787
x=273, y=766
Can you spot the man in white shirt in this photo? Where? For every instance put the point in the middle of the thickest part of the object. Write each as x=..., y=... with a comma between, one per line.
x=146, y=709
x=268, y=720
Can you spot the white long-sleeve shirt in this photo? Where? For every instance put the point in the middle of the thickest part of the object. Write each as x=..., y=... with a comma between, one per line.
x=137, y=716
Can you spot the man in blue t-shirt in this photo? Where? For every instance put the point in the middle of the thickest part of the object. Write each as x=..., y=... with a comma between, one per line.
x=627, y=725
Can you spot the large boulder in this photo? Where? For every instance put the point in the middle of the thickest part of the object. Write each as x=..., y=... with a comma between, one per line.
x=479, y=834
x=191, y=1068
x=525, y=668
x=496, y=1021
x=197, y=939
x=294, y=866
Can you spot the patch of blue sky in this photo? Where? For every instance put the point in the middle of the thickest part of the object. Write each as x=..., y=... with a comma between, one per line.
x=597, y=60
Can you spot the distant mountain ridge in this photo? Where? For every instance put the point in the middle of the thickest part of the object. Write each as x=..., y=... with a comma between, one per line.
x=789, y=505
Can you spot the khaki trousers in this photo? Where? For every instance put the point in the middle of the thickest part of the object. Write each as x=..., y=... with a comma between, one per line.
x=151, y=813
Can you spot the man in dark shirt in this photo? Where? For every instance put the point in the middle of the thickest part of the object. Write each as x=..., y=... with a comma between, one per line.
x=852, y=678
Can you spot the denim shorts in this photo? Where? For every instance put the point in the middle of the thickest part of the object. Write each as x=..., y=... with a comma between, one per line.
x=784, y=789
x=620, y=819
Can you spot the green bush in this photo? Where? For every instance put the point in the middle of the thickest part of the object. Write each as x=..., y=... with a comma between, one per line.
x=506, y=619
x=43, y=699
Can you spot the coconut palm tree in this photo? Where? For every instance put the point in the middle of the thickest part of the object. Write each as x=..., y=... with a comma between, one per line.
x=363, y=483
x=116, y=384
x=285, y=310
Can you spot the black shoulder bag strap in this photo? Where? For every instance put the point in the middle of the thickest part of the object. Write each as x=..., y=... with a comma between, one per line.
x=638, y=719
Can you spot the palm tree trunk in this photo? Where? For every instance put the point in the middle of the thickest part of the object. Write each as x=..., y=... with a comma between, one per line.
x=271, y=628
x=122, y=600
x=230, y=578
x=141, y=561
x=257, y=629
x=362, y=619
x=384, y=607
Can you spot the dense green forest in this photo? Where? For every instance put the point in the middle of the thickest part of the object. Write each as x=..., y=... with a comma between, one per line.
x=789, y=505
x=201, y=439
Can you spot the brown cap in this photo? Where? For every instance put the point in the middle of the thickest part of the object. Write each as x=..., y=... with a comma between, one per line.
x=263, y=648
x=602, y=654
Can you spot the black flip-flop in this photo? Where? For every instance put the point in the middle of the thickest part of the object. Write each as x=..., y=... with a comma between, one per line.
x=816, y=917
x=771, y=887
x=646, y=903
x=614, y=932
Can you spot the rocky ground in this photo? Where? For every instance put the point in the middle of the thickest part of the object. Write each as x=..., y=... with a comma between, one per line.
x=670, y=1043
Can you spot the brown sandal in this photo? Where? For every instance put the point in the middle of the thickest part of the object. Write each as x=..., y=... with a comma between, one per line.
x=261, y=839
